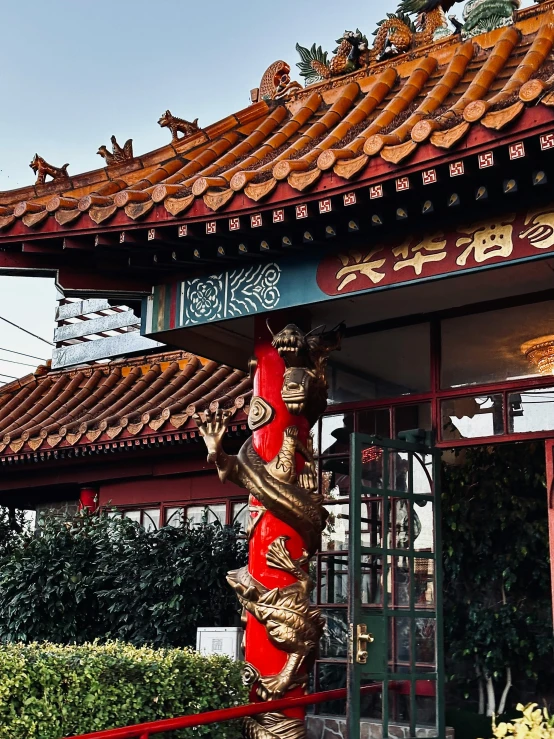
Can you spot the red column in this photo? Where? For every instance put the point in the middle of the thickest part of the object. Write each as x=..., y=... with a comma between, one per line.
x=268, y=383
x=88, y=499
x=550, y=493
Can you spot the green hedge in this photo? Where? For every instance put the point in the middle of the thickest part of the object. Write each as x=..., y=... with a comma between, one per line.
x=49, y=691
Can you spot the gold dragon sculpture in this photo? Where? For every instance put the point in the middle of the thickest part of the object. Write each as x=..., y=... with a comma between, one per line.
x=292, y=624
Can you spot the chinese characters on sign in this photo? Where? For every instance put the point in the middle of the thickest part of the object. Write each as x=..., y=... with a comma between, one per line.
x=478, y=244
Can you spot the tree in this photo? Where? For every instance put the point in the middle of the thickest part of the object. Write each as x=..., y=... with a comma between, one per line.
x=12, y=523
x=96, y=577
x=498, y=621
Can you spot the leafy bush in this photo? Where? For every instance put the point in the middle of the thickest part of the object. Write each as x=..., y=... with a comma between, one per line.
x=49, y=691
x=12, y=523
x=534, y=724
x=101, y=578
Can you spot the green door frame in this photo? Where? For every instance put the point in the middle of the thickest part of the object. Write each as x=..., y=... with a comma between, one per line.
x=375, y=661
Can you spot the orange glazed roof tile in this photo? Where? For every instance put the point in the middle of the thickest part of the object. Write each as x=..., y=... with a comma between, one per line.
x=341, y=128
x=126, y=402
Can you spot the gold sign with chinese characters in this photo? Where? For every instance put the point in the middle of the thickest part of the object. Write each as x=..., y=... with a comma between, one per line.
x=507, y=238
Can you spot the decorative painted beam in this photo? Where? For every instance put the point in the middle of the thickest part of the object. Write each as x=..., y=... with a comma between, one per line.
x=310, y=278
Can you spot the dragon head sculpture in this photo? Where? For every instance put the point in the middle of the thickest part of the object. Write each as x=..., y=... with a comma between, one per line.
x=304, y=389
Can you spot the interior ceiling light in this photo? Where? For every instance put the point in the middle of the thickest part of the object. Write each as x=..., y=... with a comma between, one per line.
x=540, y=352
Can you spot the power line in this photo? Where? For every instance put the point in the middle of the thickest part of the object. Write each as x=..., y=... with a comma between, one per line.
x=25, y=331
x=14, y=361
x=10, y=376
x=22, y=354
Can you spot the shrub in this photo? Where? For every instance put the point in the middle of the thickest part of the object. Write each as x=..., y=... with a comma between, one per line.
x=49, y=691
x=101, y=578
x=534, y=724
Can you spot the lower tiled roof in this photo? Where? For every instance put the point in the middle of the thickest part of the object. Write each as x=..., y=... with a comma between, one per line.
x=126, y=402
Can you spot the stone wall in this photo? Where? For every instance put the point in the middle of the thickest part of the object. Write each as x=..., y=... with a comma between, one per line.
x=333, y=727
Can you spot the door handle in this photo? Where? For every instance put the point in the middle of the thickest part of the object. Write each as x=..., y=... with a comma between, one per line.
x=364, y=638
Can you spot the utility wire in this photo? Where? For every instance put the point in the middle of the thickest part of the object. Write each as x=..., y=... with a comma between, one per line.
x=22, y=354
x=25, y=331
x=14, y=361
x=10, y=376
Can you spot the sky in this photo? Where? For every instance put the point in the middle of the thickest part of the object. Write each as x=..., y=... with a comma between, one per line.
x=77, y=72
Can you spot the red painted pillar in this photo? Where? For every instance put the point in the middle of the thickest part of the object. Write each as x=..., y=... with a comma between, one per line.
x=268, y=383
x=550, y=493
x=88, y=499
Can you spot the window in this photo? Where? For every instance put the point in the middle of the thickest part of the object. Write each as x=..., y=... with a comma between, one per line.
x=486, y=347
x=151, y=517
x=385, y=364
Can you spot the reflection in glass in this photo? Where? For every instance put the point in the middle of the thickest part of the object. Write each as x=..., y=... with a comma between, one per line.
x=384, y=364
x=399, y=582
x=335, y=433
x=399, y=644
x=486, y=347
x=206, y=514
x=422, y=471
x=425, y=636
x=408, y=417
x=400, y=524
x=333, y=584
x=424, y=574
x=371, y=705
x=151, y=519
x=334, y=642
x=471, y=418
x=423, y=511
x=374, y=459
x=335, y=536
x=240, y=515
x=331, y=676
x=532, y=410
x=426, y=707
x=400, y=705
x=174, y=516
x=374, y=423
x=372, y=522
x=335, y=477
x=372, y=580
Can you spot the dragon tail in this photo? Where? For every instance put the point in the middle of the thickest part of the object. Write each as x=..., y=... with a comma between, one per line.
x=313, y=64
x=273, y=726
x=321, y=70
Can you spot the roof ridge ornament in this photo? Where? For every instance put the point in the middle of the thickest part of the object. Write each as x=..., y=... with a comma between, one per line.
x=118, y=154
x=41, y=168
x=178, y=125
x=276, y=83
x=482, y=16
x=398, y=34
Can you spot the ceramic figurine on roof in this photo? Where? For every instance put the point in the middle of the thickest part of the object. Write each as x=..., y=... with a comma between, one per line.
x=41, y=168
x=482, y=16
x=119, y=153
x=276, y=83
x=351, y=54
x=178, y=125
x=400, y=34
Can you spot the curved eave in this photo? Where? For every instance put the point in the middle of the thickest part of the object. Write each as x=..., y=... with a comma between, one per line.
x=283, y=154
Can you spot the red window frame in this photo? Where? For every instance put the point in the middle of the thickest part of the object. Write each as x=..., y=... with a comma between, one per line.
x=164, y=505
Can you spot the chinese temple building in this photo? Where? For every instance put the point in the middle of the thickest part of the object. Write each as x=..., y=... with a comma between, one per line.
x=402, y=198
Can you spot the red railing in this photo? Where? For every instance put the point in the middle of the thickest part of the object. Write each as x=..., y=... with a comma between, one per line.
x=144, y=731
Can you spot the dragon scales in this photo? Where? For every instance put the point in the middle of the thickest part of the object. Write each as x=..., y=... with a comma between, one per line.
x=277, y=468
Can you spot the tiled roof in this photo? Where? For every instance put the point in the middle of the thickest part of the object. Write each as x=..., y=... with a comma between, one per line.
x=337, y=129
x=125, y=403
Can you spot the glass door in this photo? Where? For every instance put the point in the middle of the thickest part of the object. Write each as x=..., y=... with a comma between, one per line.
x=394, y=672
